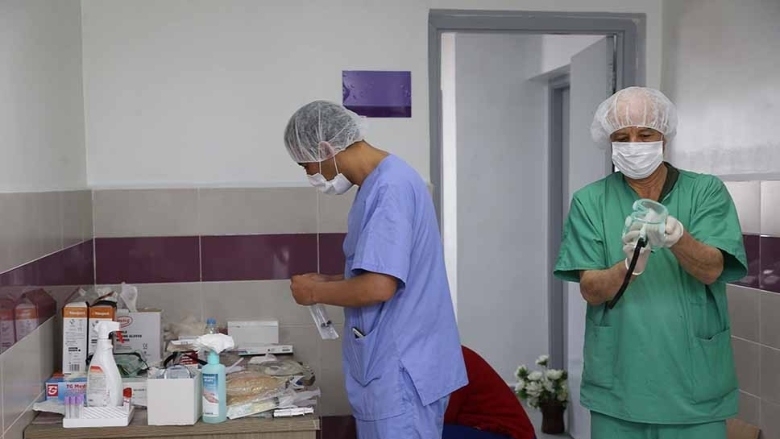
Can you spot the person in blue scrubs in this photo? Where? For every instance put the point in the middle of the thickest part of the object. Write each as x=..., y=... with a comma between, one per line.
x=401, y=348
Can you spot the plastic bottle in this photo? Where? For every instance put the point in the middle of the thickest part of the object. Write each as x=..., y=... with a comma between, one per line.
x=104, y=383
x=214, y=390
x=211, y=326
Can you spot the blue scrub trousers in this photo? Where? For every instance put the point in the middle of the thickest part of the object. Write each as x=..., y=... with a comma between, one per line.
x=452, y=431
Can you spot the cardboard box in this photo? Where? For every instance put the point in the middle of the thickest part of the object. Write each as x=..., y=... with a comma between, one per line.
x=141, y=332
x=7, y=324
x=75, y=329
x=174, y=401
x=139, y=390
x=98, y=313
x=34, y=308
x=60, y=386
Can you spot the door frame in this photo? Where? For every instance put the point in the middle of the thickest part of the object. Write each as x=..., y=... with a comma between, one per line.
x=628, y=33
x=556, y=299
x=628, y=29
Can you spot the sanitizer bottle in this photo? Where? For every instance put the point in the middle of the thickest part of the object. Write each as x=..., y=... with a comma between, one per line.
x=104, y=383
x=214, y=390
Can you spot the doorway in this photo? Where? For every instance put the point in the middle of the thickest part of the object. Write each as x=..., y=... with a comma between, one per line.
x=508, y=150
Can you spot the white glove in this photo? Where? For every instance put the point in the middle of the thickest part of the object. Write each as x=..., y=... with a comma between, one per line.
x=629, y=244
x=674, y=231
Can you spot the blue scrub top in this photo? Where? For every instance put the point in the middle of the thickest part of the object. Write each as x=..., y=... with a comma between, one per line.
x=413, y=337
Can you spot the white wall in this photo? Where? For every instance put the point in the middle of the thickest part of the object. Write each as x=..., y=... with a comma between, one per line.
x=41, y=105
x=557, y=50
x=197, y=91
x=501, y=199
x=449, y=171
x=721, y=67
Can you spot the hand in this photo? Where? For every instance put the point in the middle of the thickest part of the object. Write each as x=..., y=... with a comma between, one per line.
x=674, y=231
x=641, y=262
x=302, y=288
x=630, y=239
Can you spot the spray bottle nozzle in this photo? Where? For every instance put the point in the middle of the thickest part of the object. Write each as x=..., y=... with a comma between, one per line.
x=104, y=329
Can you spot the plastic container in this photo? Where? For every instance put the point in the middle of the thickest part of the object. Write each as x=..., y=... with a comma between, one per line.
x=214, y=391
x=104, y=384
x=649, y=217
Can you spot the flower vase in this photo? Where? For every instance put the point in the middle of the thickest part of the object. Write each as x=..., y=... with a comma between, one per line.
x=552, y=417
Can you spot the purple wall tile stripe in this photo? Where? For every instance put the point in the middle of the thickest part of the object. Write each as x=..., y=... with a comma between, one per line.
x=218, y=258
x=147, y=260
x=752, y=247
x=770, y=263
x=71, y=266
x=332, y=253
x=258, y=257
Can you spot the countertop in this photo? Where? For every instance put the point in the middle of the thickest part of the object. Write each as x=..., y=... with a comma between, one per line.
x=49, y=426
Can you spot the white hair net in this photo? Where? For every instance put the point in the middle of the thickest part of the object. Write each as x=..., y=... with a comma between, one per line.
x=320, y=129
x=634, y=107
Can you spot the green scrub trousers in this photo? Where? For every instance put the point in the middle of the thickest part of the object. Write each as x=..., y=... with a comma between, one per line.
x=605, y=427
x=661, y=359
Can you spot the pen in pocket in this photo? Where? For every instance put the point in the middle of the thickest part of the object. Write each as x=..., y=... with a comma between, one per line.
x=357, y=333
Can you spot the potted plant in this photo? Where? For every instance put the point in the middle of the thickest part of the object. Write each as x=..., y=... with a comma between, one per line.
x=546, y=390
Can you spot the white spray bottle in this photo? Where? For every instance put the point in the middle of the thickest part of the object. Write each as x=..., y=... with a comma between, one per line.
x=104, y=383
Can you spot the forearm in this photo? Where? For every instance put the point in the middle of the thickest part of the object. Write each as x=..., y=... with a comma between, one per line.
x=700, y=260
x=599, y=286
x=359, y=291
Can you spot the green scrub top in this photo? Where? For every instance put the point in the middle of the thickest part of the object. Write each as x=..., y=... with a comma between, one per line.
x=663, y=354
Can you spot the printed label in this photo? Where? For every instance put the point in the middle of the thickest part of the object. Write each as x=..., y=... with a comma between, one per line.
x=97, y=390
x=210, y=395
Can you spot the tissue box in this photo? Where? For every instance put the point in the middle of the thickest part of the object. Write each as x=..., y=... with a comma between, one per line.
x=173, y=401
x=142, y=332
x=59, y=386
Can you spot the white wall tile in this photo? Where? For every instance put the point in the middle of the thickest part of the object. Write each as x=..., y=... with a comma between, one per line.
x=148, y=212
x=746, y=196
x=770, y=208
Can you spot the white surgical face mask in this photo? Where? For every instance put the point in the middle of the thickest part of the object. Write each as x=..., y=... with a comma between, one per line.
x=337, y=186
x=637, y=160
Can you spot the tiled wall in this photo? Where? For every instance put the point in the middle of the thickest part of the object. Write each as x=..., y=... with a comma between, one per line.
x=754, y=305
x=228, y=254
x=45, y=242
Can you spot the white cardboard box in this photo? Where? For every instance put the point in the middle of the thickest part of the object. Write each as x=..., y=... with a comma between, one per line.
x=75, y=330
x=173, y=401
x=142, y=332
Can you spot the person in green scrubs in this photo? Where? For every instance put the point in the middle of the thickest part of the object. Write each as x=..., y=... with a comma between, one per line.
x=659, y=364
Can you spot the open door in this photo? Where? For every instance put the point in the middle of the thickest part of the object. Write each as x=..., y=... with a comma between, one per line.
x=592, y=79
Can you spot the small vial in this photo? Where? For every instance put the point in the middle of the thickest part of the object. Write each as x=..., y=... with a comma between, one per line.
x=211, y=326
x=68, y=406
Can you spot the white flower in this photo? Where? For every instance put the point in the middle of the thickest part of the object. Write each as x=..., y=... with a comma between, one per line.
x=542, y=360
x=521, y=371
x=534, y=389
x=519, y=386
x=554, y=374
x=548, y=385
x=535, y=376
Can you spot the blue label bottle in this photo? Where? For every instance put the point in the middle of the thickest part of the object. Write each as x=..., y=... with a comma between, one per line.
x=214, y=391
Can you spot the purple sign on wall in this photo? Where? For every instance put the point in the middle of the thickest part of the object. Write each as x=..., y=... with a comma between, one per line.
x=377, y=93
